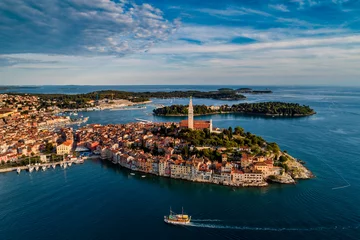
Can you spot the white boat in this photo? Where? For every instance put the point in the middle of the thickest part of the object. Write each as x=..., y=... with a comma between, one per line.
x=177, y=219
x=79, y=161
x=18, y=170
x=53, y=165
x=43, y=168
x=69, y=164
x=65, y=166
x=143, y=176
x=37, y=167
x=61, y=164
x=132, y=174
x=30, y=168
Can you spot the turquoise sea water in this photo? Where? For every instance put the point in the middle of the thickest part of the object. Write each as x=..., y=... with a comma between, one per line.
x=100, y=201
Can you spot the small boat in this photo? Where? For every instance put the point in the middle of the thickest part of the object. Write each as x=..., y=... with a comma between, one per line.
x=53, y=165
x=143, y=176
x=65, y=166
x=79, y=161
x=37, y=167
x=43, y=168
x=132, y=174
x=61, y=164
x=69, y=164
x=18, y=170
x=31, y=169
x=177, y=219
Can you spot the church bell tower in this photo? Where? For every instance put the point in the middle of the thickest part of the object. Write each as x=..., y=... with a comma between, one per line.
x=191, y=115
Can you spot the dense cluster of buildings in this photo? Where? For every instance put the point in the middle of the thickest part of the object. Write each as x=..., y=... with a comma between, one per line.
x=133, y=146
x=136, y=146
x=23, y=127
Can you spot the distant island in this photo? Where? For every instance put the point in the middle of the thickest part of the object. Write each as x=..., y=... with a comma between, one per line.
x=244, y=90
x=276, y=109
x=88, y=100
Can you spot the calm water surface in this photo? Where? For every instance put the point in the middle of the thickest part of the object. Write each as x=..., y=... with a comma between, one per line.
x=100, y=201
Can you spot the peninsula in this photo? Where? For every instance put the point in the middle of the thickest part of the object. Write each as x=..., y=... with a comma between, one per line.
x=275, y=109
x=192, y=150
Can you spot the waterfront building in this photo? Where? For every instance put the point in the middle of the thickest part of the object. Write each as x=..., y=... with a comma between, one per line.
x=64, y=148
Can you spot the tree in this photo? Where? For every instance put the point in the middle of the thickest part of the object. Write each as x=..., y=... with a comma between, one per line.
x=230, y=132
x=282, y=159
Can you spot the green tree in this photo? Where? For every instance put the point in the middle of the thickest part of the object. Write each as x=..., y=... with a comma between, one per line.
x=282, y=159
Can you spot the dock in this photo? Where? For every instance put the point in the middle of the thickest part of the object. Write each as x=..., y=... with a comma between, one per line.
x=143, y=120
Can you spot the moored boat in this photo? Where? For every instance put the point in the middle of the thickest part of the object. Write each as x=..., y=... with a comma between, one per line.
x=30, y=168
x=79, y=161
x=18, y=170
x=43, y=168
x=53, y=165
x=177, y=219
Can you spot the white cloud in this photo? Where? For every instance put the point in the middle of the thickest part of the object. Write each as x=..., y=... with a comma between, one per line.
x=232, y=11
x=279, y=7
x=81, y=27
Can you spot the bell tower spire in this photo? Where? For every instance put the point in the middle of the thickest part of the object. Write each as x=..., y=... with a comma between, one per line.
x=191, y=115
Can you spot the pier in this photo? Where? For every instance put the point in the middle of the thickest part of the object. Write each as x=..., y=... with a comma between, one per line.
x=143, y=120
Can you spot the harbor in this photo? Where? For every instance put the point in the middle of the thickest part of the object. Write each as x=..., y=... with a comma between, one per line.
x=48, y=165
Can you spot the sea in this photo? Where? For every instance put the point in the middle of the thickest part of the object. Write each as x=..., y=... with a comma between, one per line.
x=99, y=200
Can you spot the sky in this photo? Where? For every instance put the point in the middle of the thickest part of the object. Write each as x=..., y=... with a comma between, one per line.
x=234, y=42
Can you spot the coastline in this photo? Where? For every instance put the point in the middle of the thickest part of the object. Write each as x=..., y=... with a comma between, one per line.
x=241, y=113
x=262, y=184
x=125, y=103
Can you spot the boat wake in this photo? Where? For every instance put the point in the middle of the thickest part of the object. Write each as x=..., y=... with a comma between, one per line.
x=206, y=220
x=269, y=229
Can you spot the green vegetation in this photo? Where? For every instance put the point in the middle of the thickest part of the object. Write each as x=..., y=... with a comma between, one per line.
x=265, y=108
x=74, y=101
x=231, y=139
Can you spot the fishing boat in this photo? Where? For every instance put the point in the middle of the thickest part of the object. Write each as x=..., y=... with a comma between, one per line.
x=177, y=219
x=18, y=170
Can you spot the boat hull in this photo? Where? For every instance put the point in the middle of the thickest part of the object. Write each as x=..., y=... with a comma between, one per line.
x=176, y=222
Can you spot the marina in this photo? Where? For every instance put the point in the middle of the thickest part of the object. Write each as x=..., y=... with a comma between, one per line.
x=43, y=166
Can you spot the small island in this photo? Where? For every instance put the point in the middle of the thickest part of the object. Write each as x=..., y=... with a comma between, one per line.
x=273, y=109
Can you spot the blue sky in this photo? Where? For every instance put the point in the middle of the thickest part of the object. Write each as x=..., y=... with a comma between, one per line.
x=250, y=42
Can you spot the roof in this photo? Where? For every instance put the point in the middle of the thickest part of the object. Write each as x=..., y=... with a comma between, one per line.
x=68, y=143
x=198, y=124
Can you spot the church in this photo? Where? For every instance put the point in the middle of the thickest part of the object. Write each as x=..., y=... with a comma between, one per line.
x=195, y=124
